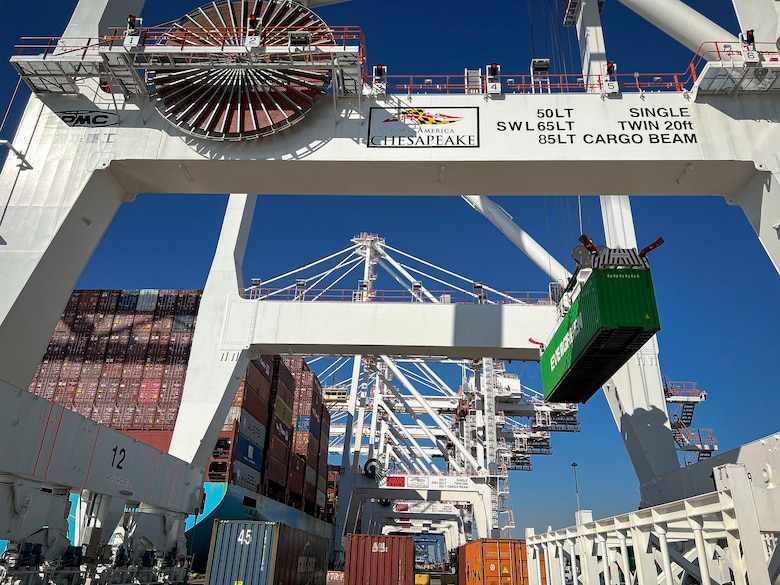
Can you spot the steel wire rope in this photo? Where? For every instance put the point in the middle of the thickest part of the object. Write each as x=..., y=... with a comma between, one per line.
x=327, y=273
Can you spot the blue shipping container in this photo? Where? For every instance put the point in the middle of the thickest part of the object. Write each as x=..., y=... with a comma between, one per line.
x=248, y=453
x=303, y=423
x=314, y=428
x=265, y=553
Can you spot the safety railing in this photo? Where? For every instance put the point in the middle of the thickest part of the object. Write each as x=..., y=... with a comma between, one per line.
x=532, y=84
x=395, y=296
x=694, y=437
x=732, y=53
x=681, y=389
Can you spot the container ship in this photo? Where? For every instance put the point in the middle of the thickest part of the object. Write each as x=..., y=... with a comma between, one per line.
x=120, y=357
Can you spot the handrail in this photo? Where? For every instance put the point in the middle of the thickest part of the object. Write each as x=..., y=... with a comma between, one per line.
x=390, y=296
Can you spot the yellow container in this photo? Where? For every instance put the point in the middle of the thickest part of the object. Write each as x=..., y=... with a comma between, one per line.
x=422, y=579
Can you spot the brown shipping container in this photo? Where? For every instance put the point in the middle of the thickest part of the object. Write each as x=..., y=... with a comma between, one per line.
x=278, y=449
x=295, y=364
x=295, y=482
x=275, y=470
x=372, y=558
x=256, y=406
x=280, y=429
x=158, y=439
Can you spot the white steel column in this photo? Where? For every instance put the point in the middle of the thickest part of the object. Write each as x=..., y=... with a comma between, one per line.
x=49, y=228
x=645, y=564
x=761, y=16
x=663, y=546
x=760, y=202
x=635, y=392
x=623, y=562
x=679, y=21
x=92, y=18
x=213, y=375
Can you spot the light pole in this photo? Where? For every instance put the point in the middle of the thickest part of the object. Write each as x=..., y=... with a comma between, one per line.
x=576, y=485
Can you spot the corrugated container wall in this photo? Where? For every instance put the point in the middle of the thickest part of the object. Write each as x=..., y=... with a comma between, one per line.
x=494, y=562
x=265, y=553
x=377, y=558
x=610, y=320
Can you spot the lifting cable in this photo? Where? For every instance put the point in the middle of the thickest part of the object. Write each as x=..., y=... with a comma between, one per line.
x=531, y=28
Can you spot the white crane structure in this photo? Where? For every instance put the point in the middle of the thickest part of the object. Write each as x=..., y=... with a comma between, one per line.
x=188, y=107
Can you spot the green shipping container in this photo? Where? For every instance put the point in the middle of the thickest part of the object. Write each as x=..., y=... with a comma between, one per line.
x=612, y=318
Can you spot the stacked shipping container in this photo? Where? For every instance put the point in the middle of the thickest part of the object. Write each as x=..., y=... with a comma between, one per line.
x=120, y=357
x=311, y=434
x=493, y=562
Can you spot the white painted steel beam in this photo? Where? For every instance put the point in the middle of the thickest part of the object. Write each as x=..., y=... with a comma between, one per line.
x=214, y=374
x=409, y=329
x=680, y=21
x=519, y=237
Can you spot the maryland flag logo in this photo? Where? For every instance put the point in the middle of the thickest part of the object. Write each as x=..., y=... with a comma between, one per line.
x=419, y=116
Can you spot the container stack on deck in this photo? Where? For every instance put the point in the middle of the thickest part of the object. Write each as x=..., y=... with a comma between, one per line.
x=310, y=438
x=120, y=357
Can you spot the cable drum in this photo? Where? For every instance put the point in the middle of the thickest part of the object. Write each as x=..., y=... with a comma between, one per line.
x=232, y=89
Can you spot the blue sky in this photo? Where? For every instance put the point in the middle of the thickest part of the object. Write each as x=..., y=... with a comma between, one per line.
x=716, y=288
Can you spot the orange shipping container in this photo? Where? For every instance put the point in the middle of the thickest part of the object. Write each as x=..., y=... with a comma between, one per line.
x=372, y=558
x=493, y=562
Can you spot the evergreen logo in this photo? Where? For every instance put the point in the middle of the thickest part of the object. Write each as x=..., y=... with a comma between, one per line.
x=566, y=342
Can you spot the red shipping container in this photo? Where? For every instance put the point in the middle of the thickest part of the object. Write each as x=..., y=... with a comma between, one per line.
x=295, y=364
x=166, y=301
x=108, y=301
x=123, y=322
x=276, y=471
x=103, y=413
x=188, y=300
x=278, y=449
x=138, y=344
x=77, y=344
x=144, y=416
x=279, y=429
x=128, y=390
x=134, y=367
x=108, y=390
x=92, y=367
x=255, y=406
x=65, y=391
x=297, y=464
x=158, y=439
x=123, y=416
x=175, y=367
x=113, y=366
x=149, y=391
x=159, y=343
x=97, y=344
x=371, y=555
x=322, y=464
x=58, y=343
x=46, y=388
x=265, y=364
x=284, y=392
x=83, y=408
x=73, y=301
x=86, y=390
x=165, y=418
x=309, y=492
x=313, y=451
x=71, y=368
x=117, y=343
x=154, y=367
x=51, y=367
x=295, y=482
x=255, y=375
x=142, y=321
x=180, y=344
x=170, y=390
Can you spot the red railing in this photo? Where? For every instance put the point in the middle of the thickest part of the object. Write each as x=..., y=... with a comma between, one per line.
x=695, y=437
x=392, y=296
x=681, y=388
